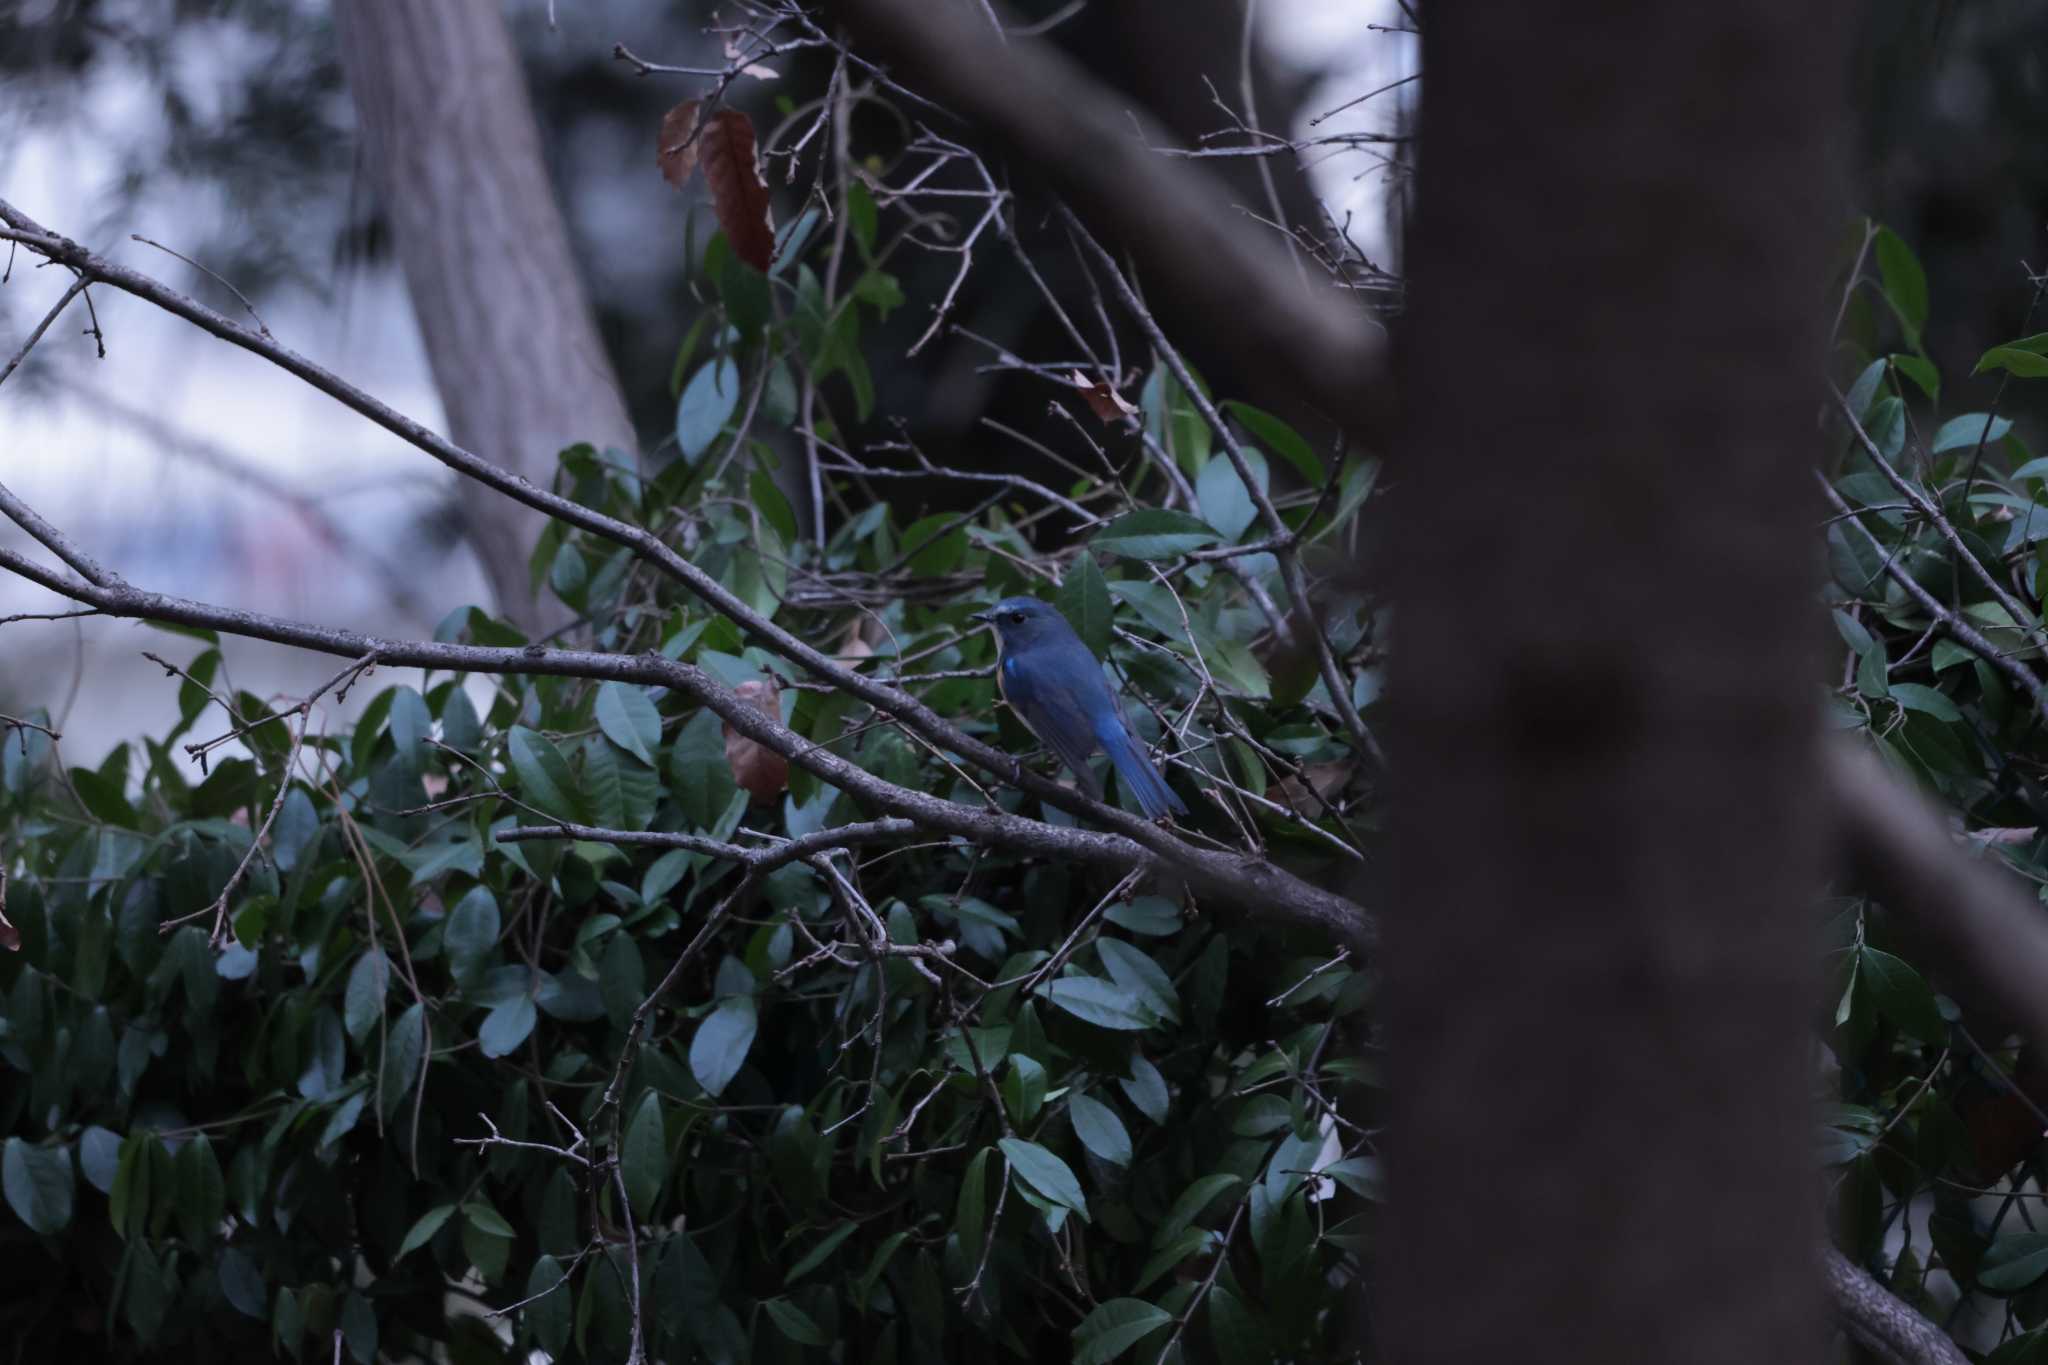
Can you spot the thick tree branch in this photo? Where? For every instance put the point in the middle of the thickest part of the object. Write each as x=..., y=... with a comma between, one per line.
x=1881, y=1322
x=1188, y=239
x=1235, y=881
x=1982, y=926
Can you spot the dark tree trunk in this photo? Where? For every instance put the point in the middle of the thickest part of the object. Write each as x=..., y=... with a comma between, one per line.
x=1601, y=943
x=451, y=144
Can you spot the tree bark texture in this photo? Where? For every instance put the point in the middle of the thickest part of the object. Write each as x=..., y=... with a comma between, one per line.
x=452, y=148
x=1601, y=942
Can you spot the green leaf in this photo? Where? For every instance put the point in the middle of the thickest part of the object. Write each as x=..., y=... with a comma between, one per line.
x=1871, y=669
x=359, y=1328
x=1920, y=372
x=549, y=1311
x=1102, y=1003
x=363, y=1000
x=1100, y=1130
x=1226, y=503
x=1918, y=697
x=470, y=934
x=1131, y=969
x=1184, y=1244
x=1154, y=533
x=1114, y=1327
x=99, y=1156
x=544, y=777
x=2013, y=1263
x=773, y=505
x=700, y=778
x=150, y=1289
x=102, y=797
x=861, y=215
x=794, y=1323
x=241, y=1284
x=1044, y=1173
x=404, y=1051
x=1262, y=1114
x=1280, y=438
x=970, y=1211
x=1146, y=1089
x=1150, y=916
x=1192, y=1201
x=410, y=723
x=1023, y=1089
x=721, y=1044
x=128, y=1207
x=1239, y=1339
x=1905, y=283
x=1864, y=390
x=706, y=406
x=1959, y=433
x=629, y=719
x=486, y=1219
x=816, y=1256
x=2020, y=363
x=423, y=1229
x=1902, y=994
x=643, y=1159
x=202, y=1194
x=1084, y=601
x=38, y=1184
x=506, y=1026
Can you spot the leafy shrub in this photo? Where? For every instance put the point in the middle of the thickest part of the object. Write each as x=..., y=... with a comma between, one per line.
x=305, y=1039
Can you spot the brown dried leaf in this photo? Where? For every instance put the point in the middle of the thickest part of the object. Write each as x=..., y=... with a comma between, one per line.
x=756, y=767
x=1106, y=402
x=676, y=153
x=739, y=196
x=1324, y=780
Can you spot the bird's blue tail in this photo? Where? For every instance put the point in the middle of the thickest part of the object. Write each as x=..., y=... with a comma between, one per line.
x=1155, y=798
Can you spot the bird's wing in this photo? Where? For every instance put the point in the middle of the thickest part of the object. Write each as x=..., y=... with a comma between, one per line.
x=1052, y=688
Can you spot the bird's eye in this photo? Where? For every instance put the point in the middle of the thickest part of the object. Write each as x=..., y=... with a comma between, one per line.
x=1016, y=618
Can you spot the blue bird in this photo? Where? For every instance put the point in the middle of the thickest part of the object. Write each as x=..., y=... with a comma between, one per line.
x=1054, y=684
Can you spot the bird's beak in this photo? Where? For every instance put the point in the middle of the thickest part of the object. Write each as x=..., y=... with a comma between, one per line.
x=982, y=616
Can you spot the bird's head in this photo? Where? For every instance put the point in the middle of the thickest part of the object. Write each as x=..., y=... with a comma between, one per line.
x=1022, y=620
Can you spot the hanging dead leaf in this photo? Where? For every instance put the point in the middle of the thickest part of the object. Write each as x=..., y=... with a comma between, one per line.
x=855, y=647
x=754, y=69
x=1316, y=781
x=756, y=767
x=1104, y=401
x=739, y=196
x=676, y=153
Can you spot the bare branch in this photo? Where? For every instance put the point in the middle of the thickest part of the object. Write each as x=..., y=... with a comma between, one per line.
x=36, y=334
x=1284, y=539
x=1238, y=881
x=2021, y=617
x=646, y=545
x=1961, y=631
x=1188, y=240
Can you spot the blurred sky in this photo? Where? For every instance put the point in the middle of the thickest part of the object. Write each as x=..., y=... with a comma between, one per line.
x=138, y=456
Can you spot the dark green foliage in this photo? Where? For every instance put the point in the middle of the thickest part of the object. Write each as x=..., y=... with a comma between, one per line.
x=1938, y=1121
x=408, y=1064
